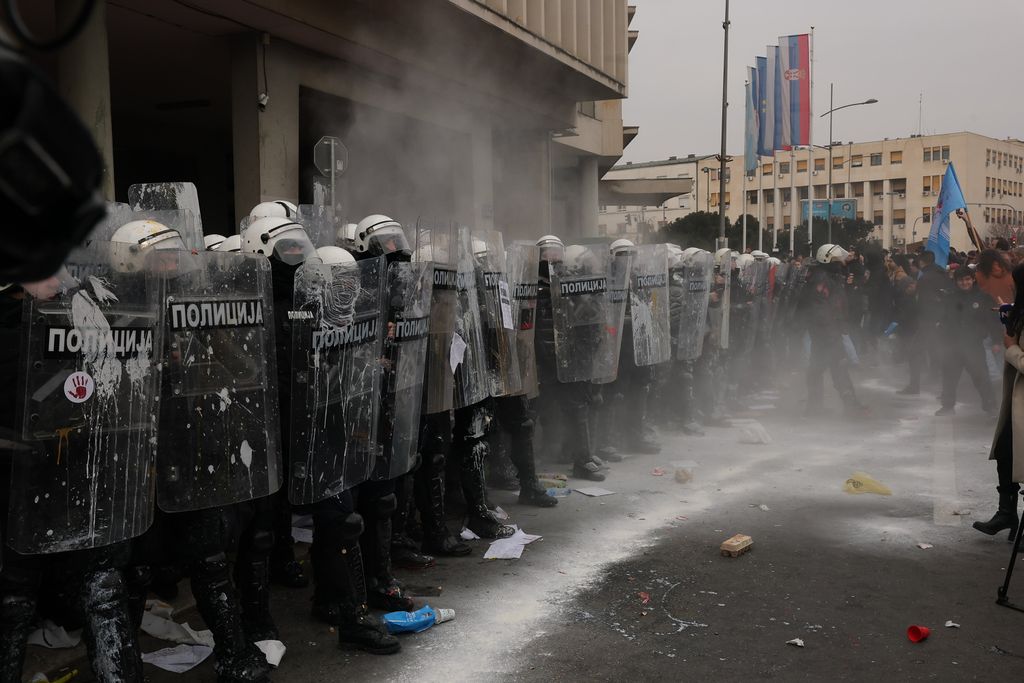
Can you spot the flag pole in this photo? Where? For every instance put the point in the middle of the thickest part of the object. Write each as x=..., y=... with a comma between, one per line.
x=760, y=205
x=744, y=248
x=810, y=151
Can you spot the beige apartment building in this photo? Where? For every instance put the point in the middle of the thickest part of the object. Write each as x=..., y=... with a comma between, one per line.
x=500, y=113
x=893, y=183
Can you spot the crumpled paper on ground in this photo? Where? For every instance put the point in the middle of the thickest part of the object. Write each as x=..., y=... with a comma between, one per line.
x=178, y=659
x=509, y=548
x=273, y=650
x=165, y=629
x=467, y=535
x=55, y=637
x=864, y=483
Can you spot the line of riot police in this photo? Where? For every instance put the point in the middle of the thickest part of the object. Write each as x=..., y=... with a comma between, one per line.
x=180, y=395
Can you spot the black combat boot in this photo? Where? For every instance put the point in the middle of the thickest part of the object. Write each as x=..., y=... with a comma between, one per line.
x=383, y=590
x=238, y=658
x=437, y=537
x=109, y=637
x=404, y=550
x=252, y=578
x=356, y=628
x=1006, y=516
x=18, y=593
x=479, y=519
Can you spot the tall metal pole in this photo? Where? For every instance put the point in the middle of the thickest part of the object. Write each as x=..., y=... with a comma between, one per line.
x=760, y=206
x=793, y=203
x=828, y=209
x=810, y=196
x=722, y=241
x=744, y=248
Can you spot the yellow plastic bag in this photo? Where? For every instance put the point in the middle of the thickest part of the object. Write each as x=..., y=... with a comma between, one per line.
x=863, y=483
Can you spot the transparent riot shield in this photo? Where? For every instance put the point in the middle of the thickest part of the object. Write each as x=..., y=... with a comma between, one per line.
x=759, y=300
x=435, y=247
x=469, y=350
x=336, y=347
x=496, y=315
x=89, y=385
x=580, y=307
x=219, y=442
x=698, y=270
x=176, y=205
x=618, y=298
x=720, y=306
x=649, y=305
x=407, y=303
x=521, y=261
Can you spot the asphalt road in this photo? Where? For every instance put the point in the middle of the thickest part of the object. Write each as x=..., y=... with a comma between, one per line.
x=632, y=585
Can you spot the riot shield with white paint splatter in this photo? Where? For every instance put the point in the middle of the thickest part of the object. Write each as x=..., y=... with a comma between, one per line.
x=407, y=293
x=336, y=367
x=698, y=269
x=521, y=259
x=436, y=247
x=90, y=381
x=649, y=305
x=496, y=315
x=580, y=306
x=468, y=358
x=219, y=441
x=618, y=299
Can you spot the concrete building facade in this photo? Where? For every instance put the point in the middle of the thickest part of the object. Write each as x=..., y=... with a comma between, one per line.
x=496, y=113
x=892, y=183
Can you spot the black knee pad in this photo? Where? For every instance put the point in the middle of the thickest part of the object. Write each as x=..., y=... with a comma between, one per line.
x=262, y=541
x=351, y=526
x=386, y=505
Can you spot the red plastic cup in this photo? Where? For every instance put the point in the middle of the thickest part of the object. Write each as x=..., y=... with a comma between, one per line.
x=918, y=633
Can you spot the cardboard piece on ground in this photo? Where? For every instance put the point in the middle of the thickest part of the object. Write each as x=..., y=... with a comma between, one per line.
x=594, y=491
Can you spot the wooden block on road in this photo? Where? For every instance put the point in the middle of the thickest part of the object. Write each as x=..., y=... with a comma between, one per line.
x=737, y=545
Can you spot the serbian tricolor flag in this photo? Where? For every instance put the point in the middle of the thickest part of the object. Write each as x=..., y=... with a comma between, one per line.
x=794, y=96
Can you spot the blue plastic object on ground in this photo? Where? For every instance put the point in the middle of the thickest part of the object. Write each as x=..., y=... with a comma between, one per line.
x=414, y=622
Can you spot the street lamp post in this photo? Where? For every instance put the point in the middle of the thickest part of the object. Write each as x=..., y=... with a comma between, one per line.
x=828, y=194
x=913, y=235
x=707, y=192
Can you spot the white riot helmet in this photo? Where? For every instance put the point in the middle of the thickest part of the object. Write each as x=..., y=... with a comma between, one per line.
x=744, y=260
x=275, y=209
x=759, y=255
x=347, y=234
x=143, y=237
x=279, y=238
x=551, y=248
x=620, y=246
x=675, y=255
x=211, y=242
x=723, y=258
x=774, y=261
x=231, y=243
x=334, y=255
x=831, y=253
x=379, y=235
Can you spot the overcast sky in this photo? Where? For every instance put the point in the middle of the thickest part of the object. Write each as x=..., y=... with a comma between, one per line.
x=964, y=56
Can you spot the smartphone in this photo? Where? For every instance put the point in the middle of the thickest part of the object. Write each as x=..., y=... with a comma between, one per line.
x=1004, y=315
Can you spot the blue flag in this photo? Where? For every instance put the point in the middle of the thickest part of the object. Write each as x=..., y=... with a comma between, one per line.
x=751, y=124
x=951, y=198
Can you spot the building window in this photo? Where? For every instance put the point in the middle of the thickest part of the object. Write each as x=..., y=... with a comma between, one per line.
x=926, y=184
x=876, y=159
x=752, y=197
x=858, y=189
x=785, y=195
x=839, y=191
x=878, y=217
x=588, y=109
x=714, y=199
x=769, y=196
x=837, y=162
x=767, y=169
x=602, y=229
x=819, y=164
x=801, y=192
x=819, y=192
x=801, y=166
x=714, y=174
x=771, y=221
x=602, y=208
x=783, y=167
x=857, y=160
x=926, y=215
x=945, y=152
x=896, y=157
x=899, y=216
x=927, y=153
x=621, y=228
x=860, y=215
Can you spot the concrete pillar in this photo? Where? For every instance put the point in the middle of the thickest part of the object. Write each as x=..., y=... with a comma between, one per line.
x=83, y=79
x=779, y=223
x=588, y=196
x=265, y=144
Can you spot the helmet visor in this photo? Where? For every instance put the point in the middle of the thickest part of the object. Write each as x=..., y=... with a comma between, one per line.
x=387, y=240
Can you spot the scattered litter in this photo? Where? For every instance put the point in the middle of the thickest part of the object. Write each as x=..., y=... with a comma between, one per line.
x=40, y=677
x=559, y=492
x=916, y=634
x=414, y=622
x=178, y=659
x=509, y=548
x=961, y=513
x=500, y=514
x=302, y=535
x=165, y=629
x=685, y=471
x=644, y=597
x=763, y=507
x=864, y=483
x=594, y=491
x=553, y=481
x=952, y=624
x=159, y=608
x=273, y=650
x=53, y=636
x=798, y=642
x=658, y=472
x=680, y=517
x=925, y=546
x=736, y=545
x=755, y=433
x=467, y=535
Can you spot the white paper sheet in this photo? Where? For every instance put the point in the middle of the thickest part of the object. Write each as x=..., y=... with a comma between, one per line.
x=273, y=650
x=594, y=491
x=509, y=548
x=178, y=659
x=54, y=637
x=506, y=305
x=467, y=535
x=165, y=629
x=302, y=535
x=457, y=351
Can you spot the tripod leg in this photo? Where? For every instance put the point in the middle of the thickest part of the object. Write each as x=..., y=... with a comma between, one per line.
x=1004, y=589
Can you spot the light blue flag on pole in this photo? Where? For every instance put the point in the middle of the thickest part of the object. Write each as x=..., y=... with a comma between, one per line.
x=751, y=124
x=951, y=198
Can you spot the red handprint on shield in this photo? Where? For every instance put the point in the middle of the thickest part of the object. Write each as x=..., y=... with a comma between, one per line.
x=78, y=387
